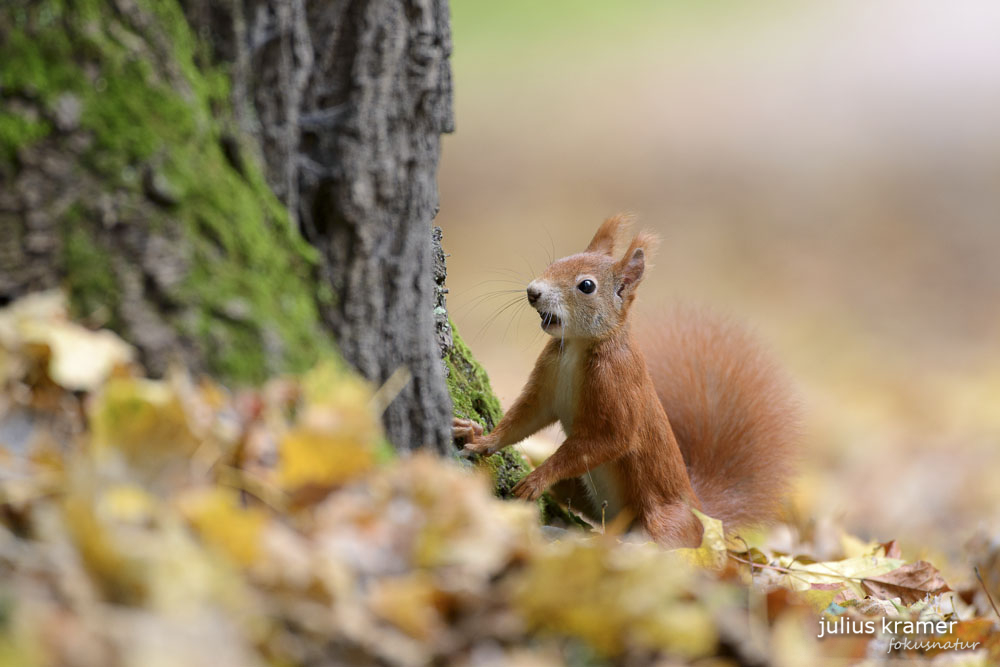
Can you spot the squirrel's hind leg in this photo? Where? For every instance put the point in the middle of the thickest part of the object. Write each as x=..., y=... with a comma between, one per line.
x=672, y=525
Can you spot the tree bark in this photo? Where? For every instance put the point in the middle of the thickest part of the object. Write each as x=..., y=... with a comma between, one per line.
x=349, y=100
x=127, y=178
x=122, y=180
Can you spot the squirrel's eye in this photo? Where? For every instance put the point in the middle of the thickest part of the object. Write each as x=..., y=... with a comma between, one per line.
x=587, y=286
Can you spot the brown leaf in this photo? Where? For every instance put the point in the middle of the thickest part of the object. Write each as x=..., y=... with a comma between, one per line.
x=891, y=549
x=911, y=583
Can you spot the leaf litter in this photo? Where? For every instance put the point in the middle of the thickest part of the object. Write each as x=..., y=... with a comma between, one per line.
x=175, y=521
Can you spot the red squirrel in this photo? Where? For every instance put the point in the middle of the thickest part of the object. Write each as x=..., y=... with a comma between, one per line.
x=696, y=415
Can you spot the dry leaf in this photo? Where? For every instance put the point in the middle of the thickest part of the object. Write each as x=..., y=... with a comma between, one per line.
x=848, y=572
x=315, y=459
x=411, y=603
x=224, y=523
x=145, y=421
x=891, y=549
x=712, y=553
x=79, y=359
x=911, y=583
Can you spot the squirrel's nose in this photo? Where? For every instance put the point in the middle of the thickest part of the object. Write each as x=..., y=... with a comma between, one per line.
x=533, y=294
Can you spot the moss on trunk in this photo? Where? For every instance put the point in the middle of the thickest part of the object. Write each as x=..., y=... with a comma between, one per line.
x=156, y=222
x=473, y=398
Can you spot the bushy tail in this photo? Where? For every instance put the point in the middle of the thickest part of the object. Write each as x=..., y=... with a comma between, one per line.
x=733, y=410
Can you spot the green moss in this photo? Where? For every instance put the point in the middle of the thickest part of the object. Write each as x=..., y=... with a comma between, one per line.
x=149, y=107
x=17, y=131
x=45, y=67
x=94, y=288
x=134, y=116
x=472, y=396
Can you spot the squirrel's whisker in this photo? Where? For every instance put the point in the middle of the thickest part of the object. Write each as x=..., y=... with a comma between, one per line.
x=488, y=296
x=497, y=314
x=510, y=273
x=514, y=317
x=552, y=245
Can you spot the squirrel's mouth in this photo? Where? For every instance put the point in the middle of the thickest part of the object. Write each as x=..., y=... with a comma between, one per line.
x=549, y=320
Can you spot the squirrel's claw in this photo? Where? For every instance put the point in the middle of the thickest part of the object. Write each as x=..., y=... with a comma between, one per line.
x=470, y=434
x=465, y=430
x=531, y=487
x=481, y=448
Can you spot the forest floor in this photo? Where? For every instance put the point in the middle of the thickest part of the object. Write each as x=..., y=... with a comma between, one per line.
x=175, y=520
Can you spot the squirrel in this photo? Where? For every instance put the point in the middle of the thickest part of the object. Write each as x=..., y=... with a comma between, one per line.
x=692, y=414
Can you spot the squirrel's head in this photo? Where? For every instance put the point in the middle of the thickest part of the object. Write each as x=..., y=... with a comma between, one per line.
x=588, y=295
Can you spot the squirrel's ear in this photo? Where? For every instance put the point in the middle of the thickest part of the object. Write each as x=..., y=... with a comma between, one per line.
x=604, y=239
x=632, y=265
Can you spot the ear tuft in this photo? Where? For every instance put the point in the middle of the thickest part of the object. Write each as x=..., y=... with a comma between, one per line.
x=604, y=240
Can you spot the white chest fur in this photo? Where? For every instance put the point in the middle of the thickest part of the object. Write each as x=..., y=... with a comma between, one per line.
x=600, y=481
x=568, y=380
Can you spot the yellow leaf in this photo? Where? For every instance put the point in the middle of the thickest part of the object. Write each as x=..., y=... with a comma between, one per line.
x=854, y=547
x=819, y=598
x=612, y=595
x=79, y=359
x=224, y=523
x=712, y=553
x=311, y=458
x=850, y=572
x=121, y=577
x=684, y=628
x=409, y=603
x=144, y=420
x=335, y=439
x=331, y=384
x=128, y=503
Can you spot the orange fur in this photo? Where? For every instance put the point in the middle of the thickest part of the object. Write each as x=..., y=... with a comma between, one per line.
x=726, y=445
x=732, y=409
x=607, y=234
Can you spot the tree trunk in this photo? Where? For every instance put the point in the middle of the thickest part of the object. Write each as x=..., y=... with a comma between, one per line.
x=128, y=180
x=349, y=100
x=123, y=181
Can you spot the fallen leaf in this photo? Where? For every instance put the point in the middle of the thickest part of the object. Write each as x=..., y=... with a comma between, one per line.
x=872, y=607
x=410, y=602
x=315, y=459
x=613, y=595
x=891, y=549
x=83, y=359
x=145, y=421
x=712, y=553
x=911, y=583
x=119, y=576
x=79, y=359
x=848, y=572
x=222, y=521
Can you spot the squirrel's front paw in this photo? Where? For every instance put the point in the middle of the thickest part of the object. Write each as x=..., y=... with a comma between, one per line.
x=470, y=434
x=531, y=487
x=465, y=430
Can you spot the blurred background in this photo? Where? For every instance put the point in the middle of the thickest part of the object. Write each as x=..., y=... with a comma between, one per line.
x=828, y=172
